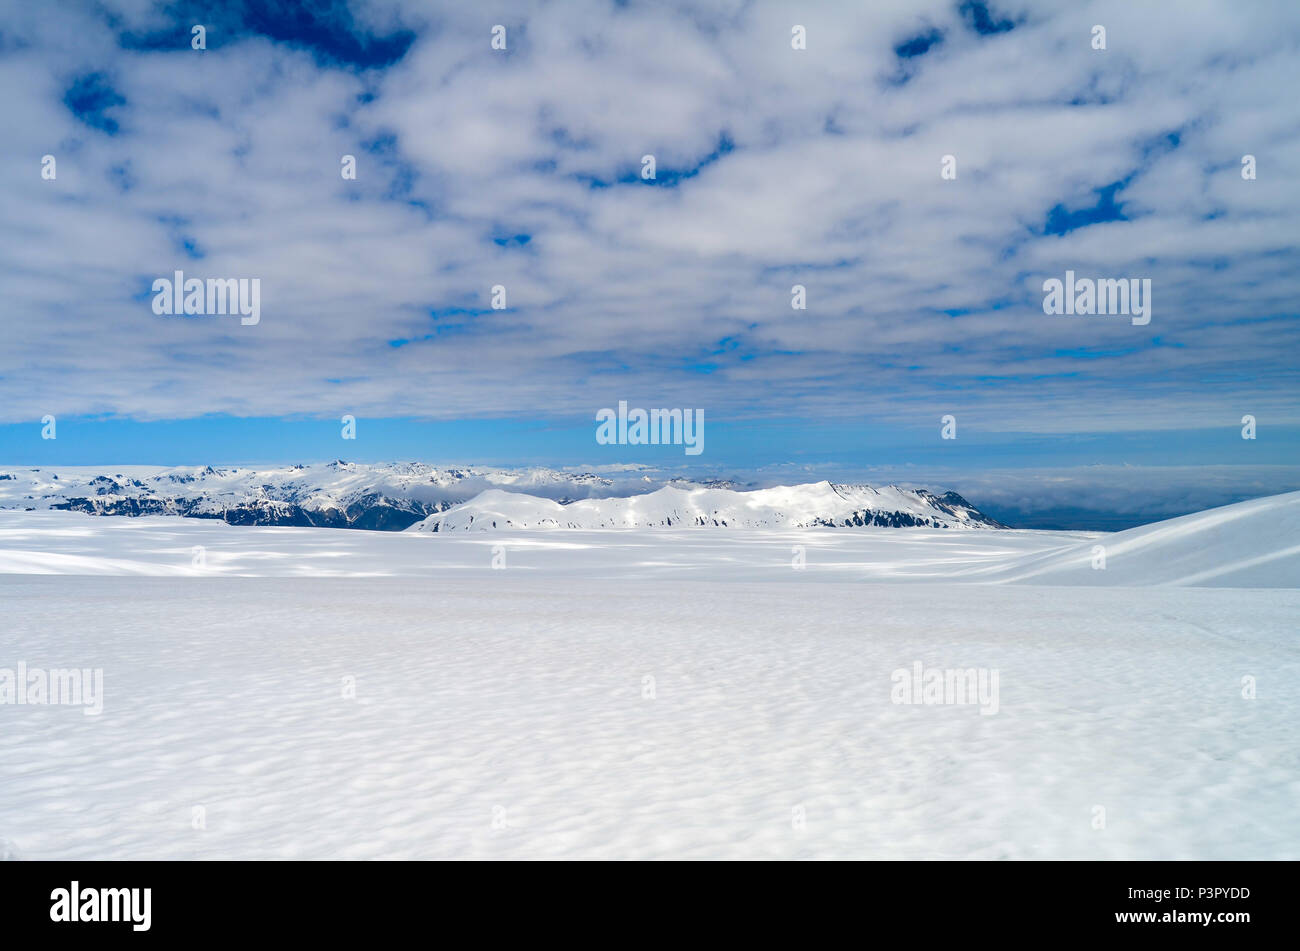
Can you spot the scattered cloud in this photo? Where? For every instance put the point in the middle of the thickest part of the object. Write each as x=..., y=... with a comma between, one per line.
x=522, y=168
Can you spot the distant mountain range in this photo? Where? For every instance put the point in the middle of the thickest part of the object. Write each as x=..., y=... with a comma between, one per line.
x=423, y=498
x=796, y=506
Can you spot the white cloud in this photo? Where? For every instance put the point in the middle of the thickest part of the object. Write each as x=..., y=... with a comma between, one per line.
x=622, y=290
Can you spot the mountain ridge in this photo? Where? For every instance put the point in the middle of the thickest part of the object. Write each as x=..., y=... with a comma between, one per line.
x=399, y=496
x=812, y=505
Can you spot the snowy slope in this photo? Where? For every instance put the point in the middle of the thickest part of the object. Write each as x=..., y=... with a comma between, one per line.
x=73, y=543
x=797, y=506
x=1252, y=544
x=1248, y=544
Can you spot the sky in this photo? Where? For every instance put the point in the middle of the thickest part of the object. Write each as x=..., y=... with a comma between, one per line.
x=522, y=168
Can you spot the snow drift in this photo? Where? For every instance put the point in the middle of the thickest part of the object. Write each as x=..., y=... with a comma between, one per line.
x=1253, y=544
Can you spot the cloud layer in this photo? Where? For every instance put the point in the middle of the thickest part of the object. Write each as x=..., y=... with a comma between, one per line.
x=775, y=166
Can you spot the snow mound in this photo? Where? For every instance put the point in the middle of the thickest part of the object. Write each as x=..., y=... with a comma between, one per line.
x=1253, y=544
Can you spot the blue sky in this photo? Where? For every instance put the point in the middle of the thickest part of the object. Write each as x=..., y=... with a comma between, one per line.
x=774, y=166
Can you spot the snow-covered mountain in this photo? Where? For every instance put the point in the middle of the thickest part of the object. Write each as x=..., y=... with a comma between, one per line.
x=396, y=496
x=796, y=506
x=337, y=494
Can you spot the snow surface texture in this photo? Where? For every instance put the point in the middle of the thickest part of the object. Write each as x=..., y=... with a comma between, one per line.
x=509, y=712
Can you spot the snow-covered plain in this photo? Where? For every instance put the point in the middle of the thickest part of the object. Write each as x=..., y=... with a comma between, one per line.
x=652, y=693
